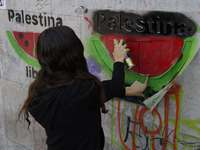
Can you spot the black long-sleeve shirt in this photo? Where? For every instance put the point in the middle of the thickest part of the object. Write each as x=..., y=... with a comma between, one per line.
x=75, y=124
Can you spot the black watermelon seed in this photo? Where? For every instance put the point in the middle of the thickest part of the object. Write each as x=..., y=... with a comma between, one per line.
x=26, y=43
x=21, y=35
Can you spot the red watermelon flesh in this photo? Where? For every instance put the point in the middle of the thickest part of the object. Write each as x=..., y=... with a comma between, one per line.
x=27, y=41
x=152, y=55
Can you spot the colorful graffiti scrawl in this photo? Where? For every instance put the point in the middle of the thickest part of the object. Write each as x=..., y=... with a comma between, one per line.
x=143, y=134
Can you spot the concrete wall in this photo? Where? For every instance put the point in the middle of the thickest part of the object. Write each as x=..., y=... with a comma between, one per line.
x=173, y=124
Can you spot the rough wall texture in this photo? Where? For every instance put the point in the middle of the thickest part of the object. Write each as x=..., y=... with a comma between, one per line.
x=173, y=124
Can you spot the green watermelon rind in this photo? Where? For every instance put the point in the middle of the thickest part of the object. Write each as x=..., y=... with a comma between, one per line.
x=23, y=55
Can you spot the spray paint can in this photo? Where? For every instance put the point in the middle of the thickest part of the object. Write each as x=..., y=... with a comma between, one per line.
x=128, y=59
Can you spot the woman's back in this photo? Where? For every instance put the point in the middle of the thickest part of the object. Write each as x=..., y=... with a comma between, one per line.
x=70, y=122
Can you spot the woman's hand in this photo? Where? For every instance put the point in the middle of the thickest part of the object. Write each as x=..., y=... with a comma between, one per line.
x=120, y=51
x=136, y=88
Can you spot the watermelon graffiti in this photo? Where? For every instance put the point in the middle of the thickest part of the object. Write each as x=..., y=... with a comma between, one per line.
x=24, y=44
x=156, y=83
x=161, y=45
x=137, y=129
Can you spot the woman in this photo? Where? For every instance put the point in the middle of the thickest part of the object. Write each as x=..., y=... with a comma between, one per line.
x=65, y=98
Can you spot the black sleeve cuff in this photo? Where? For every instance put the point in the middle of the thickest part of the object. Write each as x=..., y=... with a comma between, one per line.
x=122, y=94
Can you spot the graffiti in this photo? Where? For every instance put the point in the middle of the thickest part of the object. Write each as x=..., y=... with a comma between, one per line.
x=90, y=23
x=2, y=4
x=128, y=131
x=140, y=4
x=155, y=84
x=148, y=37
x=67, y=3
x=93, y=67
x=144, y=3
x=140, y=128
x=70, y=17
x=41, y=19
x=138, y=44
x=191, y=124
x=41, y=3
x=153, y=23
x=24, y=45
x=190, y=6
x=30, y=72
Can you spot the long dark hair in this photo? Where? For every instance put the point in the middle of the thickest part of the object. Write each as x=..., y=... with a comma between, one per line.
x=60, y=54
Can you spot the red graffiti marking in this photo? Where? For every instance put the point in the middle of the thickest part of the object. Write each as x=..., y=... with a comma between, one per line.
x=153, y=142
x=198, y=12
x=171, y=83
x=145, y=3
x=166, y=121
x=145, y=130
x=90, y=23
